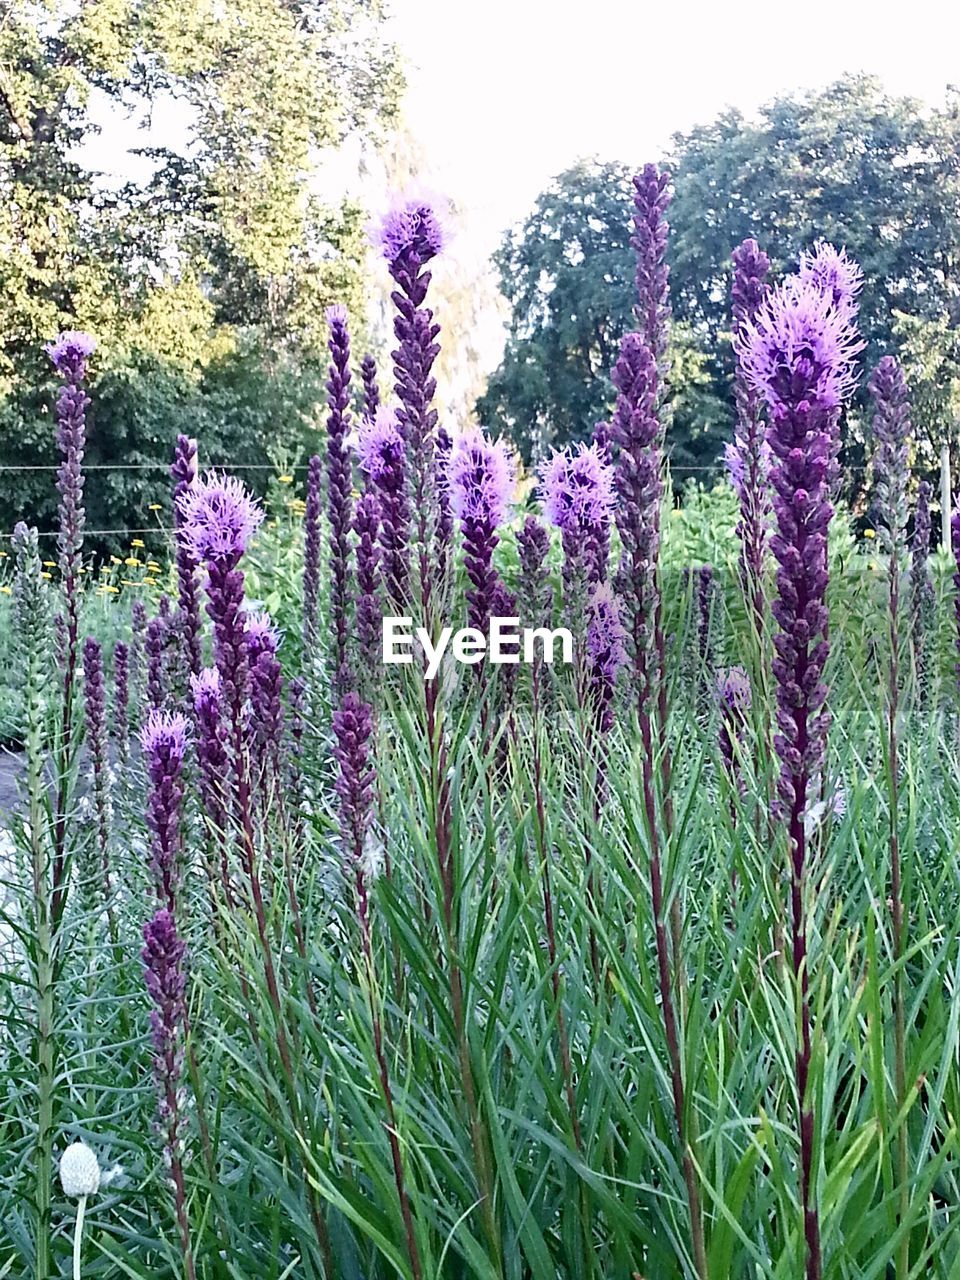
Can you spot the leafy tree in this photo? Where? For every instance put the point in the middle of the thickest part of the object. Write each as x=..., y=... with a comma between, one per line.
x=851, y=164
x=224, y=262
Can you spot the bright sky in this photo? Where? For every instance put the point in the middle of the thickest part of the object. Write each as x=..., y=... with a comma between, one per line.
x=503, y=94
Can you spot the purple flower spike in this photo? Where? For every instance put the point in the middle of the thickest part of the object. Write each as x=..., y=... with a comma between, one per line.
x=371, y=388
x=164, y=742
x=382, y=454
x=261, y=634
x=481, y=486
x=206, y=690
x=411, y=236
x=444, y=511
x=311, y=551
x=606, y=651
x=95, y=717
x=366, y=525
x=156, y=646
x=640, y=489
x=799, y=355
x=577, y=490
x=837, y=277
x=748, y=457
x=533, y=543
x=121, y=700
x=339, y=487
x=218, y=518
x=650, y=229
x=183, y=472
x=353, y=729
x=164, y=958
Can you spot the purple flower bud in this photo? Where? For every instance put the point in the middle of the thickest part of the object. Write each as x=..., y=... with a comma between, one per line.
x=156, y=647
x=339, y=487
x=121, y=699
x=891, y=468
x=164, y=742
x=95, y=723
x=371, y=389
x=649, y=240
x=366, y=525
x=533, y=543
x=183, y=472
x=606, y=652
x=353, y=729
x=481, y=486
x=733, y=695
x=311, y=550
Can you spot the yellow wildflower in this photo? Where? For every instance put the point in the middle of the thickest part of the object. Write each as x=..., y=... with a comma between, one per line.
x=131, y=560
x=869, y=533
x=49, y=564
x=5, y=590
x=155, y=506
x=136, y=542
x=46, y=575
x=115, y=560
x=285, y=479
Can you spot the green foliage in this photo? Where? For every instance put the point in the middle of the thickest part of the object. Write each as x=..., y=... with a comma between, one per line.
x=206, y=288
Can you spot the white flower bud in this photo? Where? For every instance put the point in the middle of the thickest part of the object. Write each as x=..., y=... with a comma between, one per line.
x=79, y=1171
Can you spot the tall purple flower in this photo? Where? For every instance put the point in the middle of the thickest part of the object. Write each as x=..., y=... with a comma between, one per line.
x=649, y=240
x=183, y=472
x=533, y=544
x=155, y=646
x=371, y=389
x=266, y=697
x=311, y=551
x=121, y=700
x=603, y=441
x=382, y=454
x=799, y=355
x=606, y=653
x=69, y=354
x=444, y=450
x=577, y=489
x=748, y=457
x=164, y=956
x=214, y=764
x=219, y=519
x=366, y=525
x=164, y=742
x=481, y=486
x=95, y=725
x=339, y=488
x=410, y=236
x=640, y=490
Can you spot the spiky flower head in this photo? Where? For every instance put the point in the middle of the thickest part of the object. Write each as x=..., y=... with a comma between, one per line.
x=606, y=634
x=164, y=737
x=336, y=314
x=261, y=633
x=412, y=227
x=79, y=1171
x=380, y=443
x=70, y=351
x=835, y=274
x=577, y=489
x=799, y=350
x=481, y=479
x=205, y=687
x=218, y=517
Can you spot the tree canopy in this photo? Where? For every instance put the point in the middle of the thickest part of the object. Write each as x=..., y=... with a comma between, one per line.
x=850, y=164
x=212, y=278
